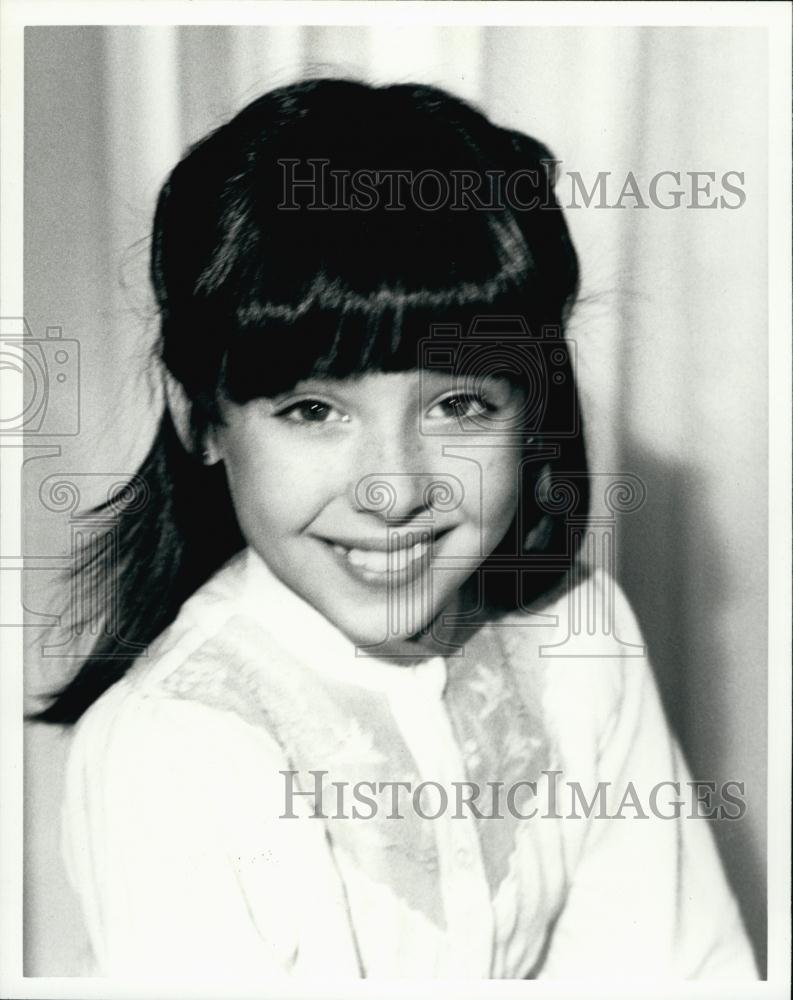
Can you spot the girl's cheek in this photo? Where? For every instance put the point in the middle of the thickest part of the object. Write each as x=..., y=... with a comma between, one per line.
x=295, y=474
x=501, y=481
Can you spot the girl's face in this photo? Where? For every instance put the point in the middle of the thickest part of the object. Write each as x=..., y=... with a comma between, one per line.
x=374, y=498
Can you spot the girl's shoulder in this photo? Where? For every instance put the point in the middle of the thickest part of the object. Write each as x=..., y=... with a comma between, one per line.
x=587, y=617
x=192, y=681
x=578, y=652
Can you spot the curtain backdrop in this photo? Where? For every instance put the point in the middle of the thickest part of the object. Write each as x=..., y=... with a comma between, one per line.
x=671, y=332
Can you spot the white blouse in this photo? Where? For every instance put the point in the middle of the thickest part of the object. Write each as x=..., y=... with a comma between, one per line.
x=188, y=822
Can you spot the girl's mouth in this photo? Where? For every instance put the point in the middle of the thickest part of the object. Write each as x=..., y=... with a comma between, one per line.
x=407, y=557
x=374, y=561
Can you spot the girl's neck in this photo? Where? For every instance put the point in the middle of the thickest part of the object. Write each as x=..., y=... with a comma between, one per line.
x=444, y=634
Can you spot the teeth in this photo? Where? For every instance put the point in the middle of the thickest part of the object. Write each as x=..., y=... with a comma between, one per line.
x=382, y=562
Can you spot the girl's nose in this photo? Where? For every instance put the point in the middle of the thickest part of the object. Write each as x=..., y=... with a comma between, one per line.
x=398, y=498
x=395, y=478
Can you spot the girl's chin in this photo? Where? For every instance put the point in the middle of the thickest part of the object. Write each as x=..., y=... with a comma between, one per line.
x=415, y=637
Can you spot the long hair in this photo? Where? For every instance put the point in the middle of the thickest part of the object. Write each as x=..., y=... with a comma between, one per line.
x=283, y=248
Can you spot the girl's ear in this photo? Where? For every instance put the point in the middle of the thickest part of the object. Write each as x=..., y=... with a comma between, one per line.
x=203, y=446
x=210, y=453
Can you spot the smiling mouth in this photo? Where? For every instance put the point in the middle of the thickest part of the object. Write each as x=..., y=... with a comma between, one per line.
x=376, y=562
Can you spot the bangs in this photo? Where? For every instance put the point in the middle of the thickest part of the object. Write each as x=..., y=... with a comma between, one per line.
x=374, y=299
x=336, y=327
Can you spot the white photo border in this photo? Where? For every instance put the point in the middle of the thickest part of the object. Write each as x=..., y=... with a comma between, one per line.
x=14, y=16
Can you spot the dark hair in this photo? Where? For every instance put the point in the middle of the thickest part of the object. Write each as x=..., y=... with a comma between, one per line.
x=260, y=284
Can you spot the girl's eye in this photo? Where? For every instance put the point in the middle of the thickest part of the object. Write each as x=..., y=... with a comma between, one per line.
x=461, y=407
x=311, y=411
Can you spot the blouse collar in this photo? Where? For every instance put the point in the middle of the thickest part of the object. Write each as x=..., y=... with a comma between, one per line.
x=310, y=638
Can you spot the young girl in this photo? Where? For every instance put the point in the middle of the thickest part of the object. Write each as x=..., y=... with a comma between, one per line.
x=363, y=734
